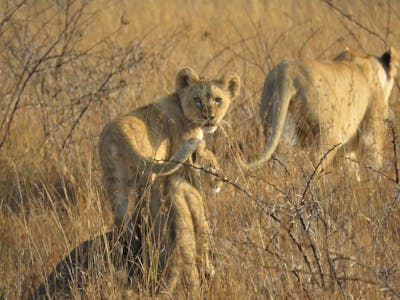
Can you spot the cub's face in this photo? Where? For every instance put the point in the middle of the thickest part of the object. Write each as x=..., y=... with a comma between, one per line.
x=205, y=102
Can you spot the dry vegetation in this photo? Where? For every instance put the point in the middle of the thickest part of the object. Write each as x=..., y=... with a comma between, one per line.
x=67, y=67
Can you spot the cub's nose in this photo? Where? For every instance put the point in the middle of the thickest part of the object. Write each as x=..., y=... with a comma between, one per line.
x=209, y=116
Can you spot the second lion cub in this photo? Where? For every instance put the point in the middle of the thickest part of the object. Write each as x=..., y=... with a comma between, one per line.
x=156, y=139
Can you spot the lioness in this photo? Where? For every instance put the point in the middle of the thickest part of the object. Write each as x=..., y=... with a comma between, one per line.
x=342, y=102
x=156, y=139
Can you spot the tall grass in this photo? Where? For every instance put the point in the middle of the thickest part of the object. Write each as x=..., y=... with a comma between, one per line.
x=68, y=67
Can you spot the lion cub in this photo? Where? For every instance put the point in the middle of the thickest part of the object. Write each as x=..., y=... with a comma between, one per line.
x=176, y=239
x=180, y=235
x=156, y=139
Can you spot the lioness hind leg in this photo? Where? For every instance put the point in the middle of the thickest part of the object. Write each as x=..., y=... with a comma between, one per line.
x=372, y=146
x=353, y=164
x=368, y=147
x=372, y=139
x=327, y=151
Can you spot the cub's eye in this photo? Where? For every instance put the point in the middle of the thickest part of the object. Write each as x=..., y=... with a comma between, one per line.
x=218, y=100
x=197, y=101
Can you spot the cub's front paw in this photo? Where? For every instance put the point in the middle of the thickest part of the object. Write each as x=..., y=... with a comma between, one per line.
x=217, y=178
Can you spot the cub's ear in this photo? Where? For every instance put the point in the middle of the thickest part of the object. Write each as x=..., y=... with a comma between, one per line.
x=231, y=82
x=391, y=61
x=185, y=77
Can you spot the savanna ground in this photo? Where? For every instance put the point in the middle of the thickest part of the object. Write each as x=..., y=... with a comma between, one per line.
x=68, y=67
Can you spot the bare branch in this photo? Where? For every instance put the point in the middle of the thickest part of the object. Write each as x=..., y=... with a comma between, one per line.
x=316, y=168
x=351, y=19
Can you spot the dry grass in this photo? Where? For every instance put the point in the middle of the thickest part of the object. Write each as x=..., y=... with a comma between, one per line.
x=67, y=67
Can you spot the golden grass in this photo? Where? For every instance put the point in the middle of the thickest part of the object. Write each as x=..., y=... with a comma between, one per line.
x=68, y=67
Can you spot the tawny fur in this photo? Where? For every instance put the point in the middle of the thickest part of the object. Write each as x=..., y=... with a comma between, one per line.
x=342, y=102
x=204, y=162
x=180, y=233
x=165, y=244
x=156, y=139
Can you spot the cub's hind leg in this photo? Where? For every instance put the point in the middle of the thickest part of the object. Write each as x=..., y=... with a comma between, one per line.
x=173, y=237
x=186, y=239
x=125, y=185
x=119, y=182
x=194, y=202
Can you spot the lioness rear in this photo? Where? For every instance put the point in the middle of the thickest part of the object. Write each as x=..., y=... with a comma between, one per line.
x=341, y=103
